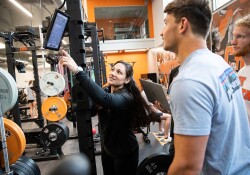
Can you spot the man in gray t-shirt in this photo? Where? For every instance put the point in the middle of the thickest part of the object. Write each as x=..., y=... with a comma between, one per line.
x=211, y=130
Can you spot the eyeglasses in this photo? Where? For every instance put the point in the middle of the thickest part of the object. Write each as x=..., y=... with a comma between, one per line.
x=240, y=36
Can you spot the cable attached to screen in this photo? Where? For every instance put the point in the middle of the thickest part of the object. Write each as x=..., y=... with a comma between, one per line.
x=62, y=4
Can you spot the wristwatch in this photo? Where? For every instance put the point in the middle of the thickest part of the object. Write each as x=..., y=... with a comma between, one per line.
x=79, y=68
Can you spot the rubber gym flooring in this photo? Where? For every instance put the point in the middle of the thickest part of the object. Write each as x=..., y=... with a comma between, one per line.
x=71, y=147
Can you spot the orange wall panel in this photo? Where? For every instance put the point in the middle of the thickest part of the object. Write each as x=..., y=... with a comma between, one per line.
x=109, y=3
x=150, y=19
x=138, y=60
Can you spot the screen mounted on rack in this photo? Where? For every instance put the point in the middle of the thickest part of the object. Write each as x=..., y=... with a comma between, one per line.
x=56, y=30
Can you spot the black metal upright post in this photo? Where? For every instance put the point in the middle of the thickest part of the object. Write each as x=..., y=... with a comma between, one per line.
x=96, y=50
x=81, y=103
x=103, y=68
x=37, y=88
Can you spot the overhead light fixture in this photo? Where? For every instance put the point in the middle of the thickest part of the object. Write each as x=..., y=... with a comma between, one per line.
x=111, y=51
x=21, y=8
x=136, y=50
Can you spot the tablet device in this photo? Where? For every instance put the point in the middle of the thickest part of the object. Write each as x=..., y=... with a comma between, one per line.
x=155, y=92
x=56, y=30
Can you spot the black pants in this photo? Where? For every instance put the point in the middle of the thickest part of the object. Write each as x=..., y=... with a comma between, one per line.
x=120, y=165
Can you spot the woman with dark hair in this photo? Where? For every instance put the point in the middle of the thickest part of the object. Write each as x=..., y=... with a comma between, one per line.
x=121, y=110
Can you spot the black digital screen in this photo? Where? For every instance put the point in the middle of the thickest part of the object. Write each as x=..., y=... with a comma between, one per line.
x=56, y=30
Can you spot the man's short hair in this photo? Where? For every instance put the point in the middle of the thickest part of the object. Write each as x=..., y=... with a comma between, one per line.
x=197, y=12
x=245, y=21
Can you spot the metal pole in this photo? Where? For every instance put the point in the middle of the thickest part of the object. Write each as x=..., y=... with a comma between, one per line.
x=4, y=144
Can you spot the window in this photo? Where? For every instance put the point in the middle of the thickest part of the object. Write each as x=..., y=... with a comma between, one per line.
x=126, y=22
x=219, y=3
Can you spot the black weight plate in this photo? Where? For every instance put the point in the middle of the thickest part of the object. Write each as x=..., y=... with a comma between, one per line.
x=71, y=117
x=34, y=170
x=32, y=166
x=156, y=163
x=16, y=171
x=65, y=129
x=54, y=135
x=31, y=163
x=26, y=166
x=19, y=170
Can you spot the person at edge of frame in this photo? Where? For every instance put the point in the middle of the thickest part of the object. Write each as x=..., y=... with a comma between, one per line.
x=211, y=129
x=241, y=47
x=31, y=97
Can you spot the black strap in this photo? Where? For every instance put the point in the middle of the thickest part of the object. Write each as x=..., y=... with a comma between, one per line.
x=174, y=72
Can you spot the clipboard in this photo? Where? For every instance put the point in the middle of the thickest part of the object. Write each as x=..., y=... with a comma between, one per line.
x=155, y=92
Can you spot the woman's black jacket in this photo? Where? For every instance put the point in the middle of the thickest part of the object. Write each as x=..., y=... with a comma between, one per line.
x=115, y=116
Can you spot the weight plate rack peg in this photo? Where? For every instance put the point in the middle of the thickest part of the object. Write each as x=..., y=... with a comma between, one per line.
x=52, y=83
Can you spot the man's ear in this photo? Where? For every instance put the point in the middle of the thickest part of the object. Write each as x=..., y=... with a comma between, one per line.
x=127, y=80
x=183, y=25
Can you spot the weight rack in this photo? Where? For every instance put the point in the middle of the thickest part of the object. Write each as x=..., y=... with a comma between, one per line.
x=80, y=101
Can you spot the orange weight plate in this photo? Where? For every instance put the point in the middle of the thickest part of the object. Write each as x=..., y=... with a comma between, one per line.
x=15, y=140
x=54, y=109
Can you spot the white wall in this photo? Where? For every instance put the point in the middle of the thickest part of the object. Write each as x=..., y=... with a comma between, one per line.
x=165, y=2
x=22, y=79
x=126, y=44
x=158, y=20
